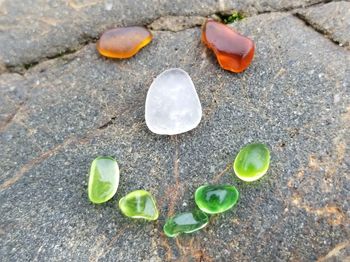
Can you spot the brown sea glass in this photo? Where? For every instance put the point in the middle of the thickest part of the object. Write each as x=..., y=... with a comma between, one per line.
x=123, y=42
x=233, y=51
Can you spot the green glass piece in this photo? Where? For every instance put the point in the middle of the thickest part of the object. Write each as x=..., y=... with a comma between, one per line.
x=139, y=204
x=252, y=162
x=213, y=199
x=187, y=222
x=103, y=180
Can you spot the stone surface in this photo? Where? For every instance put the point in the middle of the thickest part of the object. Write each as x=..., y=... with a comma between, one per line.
x=332, y=19
x=172, y=104
x=295, y=97
x=187, y=222
x=214, y=199
x=12, y=96
x=123, y=42
x=35, y=30
x=103, y=179
x=139, y=204
x=233, y=51
x=252, y=162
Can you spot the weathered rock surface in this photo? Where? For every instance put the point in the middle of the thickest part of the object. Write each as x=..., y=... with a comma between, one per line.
x=62, y=113
x=34, y=30
x=332, y=20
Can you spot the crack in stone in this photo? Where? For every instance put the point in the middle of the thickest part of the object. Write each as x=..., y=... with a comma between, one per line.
x=23, y=68
x=47, y=154
x=20, y=105
x=218, y=176
x=316, y=28
x=9, y=119
x=295, y=8
x=176, y=23
x=107, y=124
x=191, y=249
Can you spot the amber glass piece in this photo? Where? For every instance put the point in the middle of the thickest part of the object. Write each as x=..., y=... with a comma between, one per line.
x=123, y=42
x=233, y=51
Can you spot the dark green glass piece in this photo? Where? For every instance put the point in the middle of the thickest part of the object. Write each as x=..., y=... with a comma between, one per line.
x=213, y=199
x=187, y=222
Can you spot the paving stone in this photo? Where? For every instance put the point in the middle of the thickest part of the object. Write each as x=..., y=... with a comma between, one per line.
x=332, y=20
x=295, y=97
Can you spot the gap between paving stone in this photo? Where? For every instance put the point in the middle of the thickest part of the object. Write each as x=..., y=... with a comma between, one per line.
x=190, y=23
x=316, y=28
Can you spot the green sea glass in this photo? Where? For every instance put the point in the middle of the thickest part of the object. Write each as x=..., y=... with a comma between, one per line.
x=213, y=199
x=103, y=180
x=139, y=204
x=252, y=162
x=187, y=222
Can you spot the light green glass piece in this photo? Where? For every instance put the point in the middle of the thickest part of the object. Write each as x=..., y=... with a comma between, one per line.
x=214, y=199
x=139, y=204
x=103, y=180
x=187, y=222
x=252, y=162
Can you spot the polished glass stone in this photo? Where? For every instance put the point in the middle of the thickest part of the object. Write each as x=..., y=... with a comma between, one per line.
x=172, y=104
x=233, y=51
x=187, y=222
x=252, y=162
x=103, y=179
x=139, y=204
x=213, y=199
x=123, y=42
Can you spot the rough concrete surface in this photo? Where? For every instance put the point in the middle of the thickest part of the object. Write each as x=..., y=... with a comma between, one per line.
x=58, y=115
x=332, y=20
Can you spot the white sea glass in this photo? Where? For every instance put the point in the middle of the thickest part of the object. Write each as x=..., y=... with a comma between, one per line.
x=172, y=103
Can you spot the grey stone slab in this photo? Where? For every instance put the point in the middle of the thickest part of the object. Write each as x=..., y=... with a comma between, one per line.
x=295, y=97
x=34, y=30
x=332, y=19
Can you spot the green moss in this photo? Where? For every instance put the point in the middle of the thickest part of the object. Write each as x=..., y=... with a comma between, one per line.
x=230, y=18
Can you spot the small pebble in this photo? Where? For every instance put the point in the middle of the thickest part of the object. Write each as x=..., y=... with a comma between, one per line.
x=233, y=51
x=103, y=179
x=187, y=222
x=252, y=162
x=139, y=204
x=214, y=199
x=123, y=42
x=172, y=103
